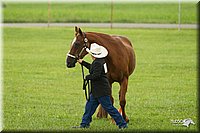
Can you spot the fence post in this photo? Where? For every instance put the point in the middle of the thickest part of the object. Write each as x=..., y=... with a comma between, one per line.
x=49, y=12
x=111, y=15
x=179, y=16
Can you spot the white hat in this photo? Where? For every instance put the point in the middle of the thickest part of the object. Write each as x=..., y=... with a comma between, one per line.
x=97, y=51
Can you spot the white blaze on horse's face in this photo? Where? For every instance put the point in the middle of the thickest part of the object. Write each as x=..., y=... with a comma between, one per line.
x=74, y=40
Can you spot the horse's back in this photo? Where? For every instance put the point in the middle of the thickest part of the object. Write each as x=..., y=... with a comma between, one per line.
x=123, y=39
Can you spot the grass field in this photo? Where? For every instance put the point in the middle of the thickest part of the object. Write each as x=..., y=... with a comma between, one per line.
x=100, y=12
x=40, y=93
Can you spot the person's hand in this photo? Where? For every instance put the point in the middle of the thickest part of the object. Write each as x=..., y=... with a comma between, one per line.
x=80, y=61
x=87, y=77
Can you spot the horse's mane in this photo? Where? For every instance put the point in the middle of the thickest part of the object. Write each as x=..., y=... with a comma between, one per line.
x=109, y=38
x=100, y=34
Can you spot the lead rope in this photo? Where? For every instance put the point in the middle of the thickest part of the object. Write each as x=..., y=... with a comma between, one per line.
x=85, y=84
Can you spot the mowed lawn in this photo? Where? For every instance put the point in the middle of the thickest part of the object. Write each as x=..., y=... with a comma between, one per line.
x=159, y=12
x=40, y=93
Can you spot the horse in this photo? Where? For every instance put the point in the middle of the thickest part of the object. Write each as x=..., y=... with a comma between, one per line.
x=120, y=61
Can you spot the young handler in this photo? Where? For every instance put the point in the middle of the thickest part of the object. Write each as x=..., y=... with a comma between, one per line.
x=100, y=88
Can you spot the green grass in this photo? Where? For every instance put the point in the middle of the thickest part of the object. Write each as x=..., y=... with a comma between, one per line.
x=100, y=12
x=41, y=94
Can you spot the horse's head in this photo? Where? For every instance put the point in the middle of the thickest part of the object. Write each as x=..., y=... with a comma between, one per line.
x=78, y=48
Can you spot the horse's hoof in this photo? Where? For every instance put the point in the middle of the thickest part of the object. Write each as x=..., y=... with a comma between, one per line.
x=127, y=120
x=113, y=121
x=99, y=115
x=120, y=111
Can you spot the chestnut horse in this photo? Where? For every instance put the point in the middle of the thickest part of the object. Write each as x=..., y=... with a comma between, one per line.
x=120, y=60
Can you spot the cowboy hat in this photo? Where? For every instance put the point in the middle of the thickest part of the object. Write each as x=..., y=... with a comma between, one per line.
x=97, y=51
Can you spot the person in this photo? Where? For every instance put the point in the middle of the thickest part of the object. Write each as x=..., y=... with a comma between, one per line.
x=100, y=88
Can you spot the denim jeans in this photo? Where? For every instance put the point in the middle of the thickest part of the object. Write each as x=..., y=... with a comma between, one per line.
x=105, y=101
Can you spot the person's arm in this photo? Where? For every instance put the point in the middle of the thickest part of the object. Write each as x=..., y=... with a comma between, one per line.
x=97, y=68
x=84, y=63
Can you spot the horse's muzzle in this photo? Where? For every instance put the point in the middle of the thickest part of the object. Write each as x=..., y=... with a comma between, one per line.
x=70, y=62
x=70, y=65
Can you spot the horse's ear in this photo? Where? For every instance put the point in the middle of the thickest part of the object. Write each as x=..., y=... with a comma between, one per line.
x=80, y=32
x=76, y=30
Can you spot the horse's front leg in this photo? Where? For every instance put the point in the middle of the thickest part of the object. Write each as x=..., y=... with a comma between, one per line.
x=122, y=97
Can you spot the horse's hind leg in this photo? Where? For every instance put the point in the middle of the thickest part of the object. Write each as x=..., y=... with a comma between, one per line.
x=122, y=97
x=102, y=113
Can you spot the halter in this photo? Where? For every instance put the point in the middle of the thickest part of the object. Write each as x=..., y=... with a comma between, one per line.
x=84, y=47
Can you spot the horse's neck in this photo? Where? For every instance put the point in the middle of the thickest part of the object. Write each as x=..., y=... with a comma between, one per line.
x=93, y=38
x=100, y=39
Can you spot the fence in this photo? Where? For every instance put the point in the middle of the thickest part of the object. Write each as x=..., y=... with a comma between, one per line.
x=109, y=12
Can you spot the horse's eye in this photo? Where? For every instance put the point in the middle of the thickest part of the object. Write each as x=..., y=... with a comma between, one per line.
x=76, y=45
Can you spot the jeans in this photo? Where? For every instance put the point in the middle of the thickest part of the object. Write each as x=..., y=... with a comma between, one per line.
x=105, y=101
